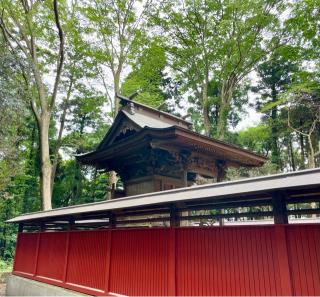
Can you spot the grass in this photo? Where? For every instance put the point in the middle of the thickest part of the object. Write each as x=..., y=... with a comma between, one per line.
x=5, y=266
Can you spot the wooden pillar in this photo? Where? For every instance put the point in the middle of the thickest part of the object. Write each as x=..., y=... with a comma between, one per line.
x=174, y=217
x=71, y=225
x=20, y=229
x=42, y=226
x=221, y=174
x=185, y=177
x=279, y=207
x=112, y=220
x=221, y=170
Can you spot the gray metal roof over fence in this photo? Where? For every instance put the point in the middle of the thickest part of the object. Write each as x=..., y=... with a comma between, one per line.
x=294, y=180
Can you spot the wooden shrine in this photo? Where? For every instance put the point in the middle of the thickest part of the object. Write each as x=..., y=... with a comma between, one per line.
x=152, y=150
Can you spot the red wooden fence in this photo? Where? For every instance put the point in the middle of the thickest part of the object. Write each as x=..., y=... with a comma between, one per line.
x=241, y=260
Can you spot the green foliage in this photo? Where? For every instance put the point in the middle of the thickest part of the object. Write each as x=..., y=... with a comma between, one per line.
x=5, y=266
x=148, y=77
x=276, y=73
x=241, y=173
x=9, y=208
x=220, y=43
x=185, y=56
x=256, y=139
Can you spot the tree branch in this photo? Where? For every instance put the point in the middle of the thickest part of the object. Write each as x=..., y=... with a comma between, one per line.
x=60, y=55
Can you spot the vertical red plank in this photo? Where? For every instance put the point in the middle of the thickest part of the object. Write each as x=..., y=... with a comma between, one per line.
x=66, y=258
x=108, y=262
x=223, y=260
x=308, y=286
x=256, y=257
x=37, y=254
x=86, y=262
x=315, y=255
x=265, y=264
x=246, y=237
x=207, y=263
x=294, y=264
x=139, y=262
x=303, y=243
x=233, y=263
x=213, y=255
x=51, y=256
x=283, y=260
x=240, y=263
x=26, y=254
x=270, y=261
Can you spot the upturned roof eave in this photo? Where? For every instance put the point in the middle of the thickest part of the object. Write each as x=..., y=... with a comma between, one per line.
x=170, y=132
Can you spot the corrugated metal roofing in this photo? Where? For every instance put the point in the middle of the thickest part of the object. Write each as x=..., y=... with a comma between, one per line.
x=300, y=179
x=143, y=120
x=154, y=110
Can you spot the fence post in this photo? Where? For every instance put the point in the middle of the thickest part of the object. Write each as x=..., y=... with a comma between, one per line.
x=172, y=262
x=279, y=207
x=283, y=260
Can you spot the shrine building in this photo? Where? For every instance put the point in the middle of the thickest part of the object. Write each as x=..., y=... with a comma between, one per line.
x=152, y=151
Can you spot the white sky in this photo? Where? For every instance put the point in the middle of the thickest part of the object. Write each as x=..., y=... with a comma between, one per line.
x=253, y=117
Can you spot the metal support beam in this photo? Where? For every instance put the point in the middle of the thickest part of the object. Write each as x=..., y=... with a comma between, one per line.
x=279, y=207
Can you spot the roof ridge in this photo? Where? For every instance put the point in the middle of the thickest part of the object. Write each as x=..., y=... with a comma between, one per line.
x=128, y=100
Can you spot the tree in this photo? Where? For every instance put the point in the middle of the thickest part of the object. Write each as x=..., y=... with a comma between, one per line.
x=119, y=29
x=21, y=27
x=79, y=71
x=214, y=40
x=12, y=116
x=275, y=75
x=304, y=107
x=148, y=76
x=82, y=127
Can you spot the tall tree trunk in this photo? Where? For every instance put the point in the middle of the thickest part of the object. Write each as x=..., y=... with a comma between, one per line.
x=302, y=147
x=76, y=184
x=61, y=128
x=112, y=174
x=93, y=188
x=311, y=162
x=76, y=188
x=46, y=167
x=275, y=158
x=30, y=169
x=205, y=107
x=225, y=98
x=116, y=91
x=293, y=163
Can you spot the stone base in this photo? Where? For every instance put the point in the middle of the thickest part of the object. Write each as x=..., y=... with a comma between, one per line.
x=20, y=286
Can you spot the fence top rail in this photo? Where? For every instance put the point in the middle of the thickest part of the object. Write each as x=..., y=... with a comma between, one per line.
x=225, y=190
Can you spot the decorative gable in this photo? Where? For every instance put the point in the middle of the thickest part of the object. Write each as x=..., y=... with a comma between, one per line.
x=122, y=128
